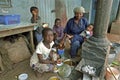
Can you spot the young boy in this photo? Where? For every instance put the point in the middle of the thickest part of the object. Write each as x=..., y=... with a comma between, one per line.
x=35, y=16
x=58, y=31
x=36, y=19
x=88, y=32
x=40, y=60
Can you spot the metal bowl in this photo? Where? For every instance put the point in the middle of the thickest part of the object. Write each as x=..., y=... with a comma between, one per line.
x=68, y=61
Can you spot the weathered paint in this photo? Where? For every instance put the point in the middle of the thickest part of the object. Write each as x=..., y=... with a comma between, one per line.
x=47, y=16
x=19, y=7
x=70, y=5
x=114, y=10
x=22, y=7
x=87, y=4
x=60, y=11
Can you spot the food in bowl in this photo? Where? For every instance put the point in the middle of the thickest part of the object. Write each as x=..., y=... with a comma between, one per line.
x=54, y=78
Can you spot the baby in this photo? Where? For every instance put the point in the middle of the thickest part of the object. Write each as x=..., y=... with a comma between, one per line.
x=88, y=32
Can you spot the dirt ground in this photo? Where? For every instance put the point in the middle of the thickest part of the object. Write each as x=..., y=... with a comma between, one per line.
x=23, y=67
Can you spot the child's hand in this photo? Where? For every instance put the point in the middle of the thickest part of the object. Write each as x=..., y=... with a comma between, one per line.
x=59, y=61
x=51, y=54
x=69, y=36
x=34, y=13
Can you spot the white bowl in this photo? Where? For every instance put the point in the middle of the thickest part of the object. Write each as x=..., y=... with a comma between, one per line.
x=23, y=76
x=60, y=64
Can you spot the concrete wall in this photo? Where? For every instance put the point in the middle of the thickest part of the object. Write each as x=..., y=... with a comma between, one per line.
x=20, y=7
x=46, y=6
x=114, y=10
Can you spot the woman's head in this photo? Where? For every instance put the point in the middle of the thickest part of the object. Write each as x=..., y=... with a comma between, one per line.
x=57, y=22
x=47, y=34
x=78, y=12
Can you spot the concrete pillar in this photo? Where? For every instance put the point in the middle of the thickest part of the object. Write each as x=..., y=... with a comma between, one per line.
x=96, y=48
x=60, y=10
x=118, y=14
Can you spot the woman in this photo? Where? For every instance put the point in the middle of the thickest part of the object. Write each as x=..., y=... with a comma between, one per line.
x=74, y=27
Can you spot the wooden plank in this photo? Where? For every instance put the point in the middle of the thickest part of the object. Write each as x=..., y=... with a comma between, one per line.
x=19, y=29
x=32, y=40
x=15, y=31
x=1, y=65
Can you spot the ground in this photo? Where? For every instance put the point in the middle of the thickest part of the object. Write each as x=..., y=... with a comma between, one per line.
x=23, y=67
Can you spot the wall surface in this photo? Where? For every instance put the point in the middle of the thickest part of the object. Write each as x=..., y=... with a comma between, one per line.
x=20, y=7
x=47, y=6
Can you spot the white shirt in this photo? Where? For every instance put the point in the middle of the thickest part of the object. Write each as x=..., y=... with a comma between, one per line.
x=41, y=49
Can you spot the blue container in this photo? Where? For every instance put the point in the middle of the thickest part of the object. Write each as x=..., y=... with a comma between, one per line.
x=9, y=19
x=60, y=51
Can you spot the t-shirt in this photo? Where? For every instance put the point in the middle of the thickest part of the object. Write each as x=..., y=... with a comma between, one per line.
x=87, y=34
x=58, y=30
x=43, y=50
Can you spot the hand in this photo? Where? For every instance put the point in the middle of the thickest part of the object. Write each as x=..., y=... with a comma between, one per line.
x=69, y=36
x=53, y=62
x=59, y=61
x=34, y=13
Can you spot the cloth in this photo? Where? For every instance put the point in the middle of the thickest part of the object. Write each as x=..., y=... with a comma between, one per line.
x=41, y=49
x=79, y=10
x=42, y=67
x=86, y=34
x=59, y=31
x=75, y=29
x=92, y=68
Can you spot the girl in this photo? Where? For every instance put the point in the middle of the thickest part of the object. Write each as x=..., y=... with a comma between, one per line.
x=58, y=31
x=40, y=60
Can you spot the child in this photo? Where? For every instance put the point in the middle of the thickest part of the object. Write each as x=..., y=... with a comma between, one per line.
x=35, y=17
x=58, y=30
x=40, y=60
x=88, y=32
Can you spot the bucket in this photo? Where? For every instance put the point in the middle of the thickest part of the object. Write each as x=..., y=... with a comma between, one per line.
x=60, y=51
x=109, y=75
x=23, y=76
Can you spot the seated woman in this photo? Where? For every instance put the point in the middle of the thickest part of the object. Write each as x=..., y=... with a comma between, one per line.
x=40, y=60
x=73, y=29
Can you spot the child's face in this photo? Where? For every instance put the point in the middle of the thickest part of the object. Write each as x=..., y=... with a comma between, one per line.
x=48, y=37
x=58, y=23
x=35, y=12
x=90, y=28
